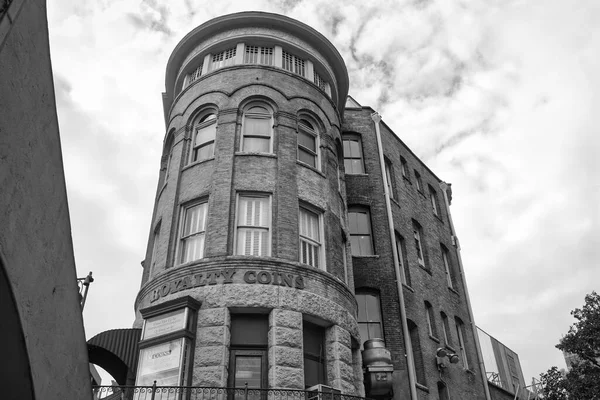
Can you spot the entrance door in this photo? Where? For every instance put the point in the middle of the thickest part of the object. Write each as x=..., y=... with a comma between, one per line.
x=248, y=367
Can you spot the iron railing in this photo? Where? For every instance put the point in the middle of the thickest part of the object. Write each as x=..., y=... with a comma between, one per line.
x=211, y=393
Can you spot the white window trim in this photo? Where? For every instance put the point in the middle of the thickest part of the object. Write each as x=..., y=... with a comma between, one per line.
x=272, y=132
x=320, y=245
x=362, y=155
x=359, y=209
x=315, y=134
x=180, y=238
x=202, y=125
x=269, y=221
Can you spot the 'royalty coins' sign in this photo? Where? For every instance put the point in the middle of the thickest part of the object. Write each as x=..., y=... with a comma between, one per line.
x=228, y=275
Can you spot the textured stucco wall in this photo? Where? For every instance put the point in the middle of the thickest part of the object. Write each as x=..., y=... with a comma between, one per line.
x=35, y=239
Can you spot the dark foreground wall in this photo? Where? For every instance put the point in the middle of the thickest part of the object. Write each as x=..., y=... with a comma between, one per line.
x=35, y=235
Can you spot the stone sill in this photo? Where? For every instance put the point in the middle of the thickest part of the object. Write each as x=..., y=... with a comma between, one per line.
x=310, y=168
x=422, y=387
x=246, y=153
x=193, y=164
x=434, y=339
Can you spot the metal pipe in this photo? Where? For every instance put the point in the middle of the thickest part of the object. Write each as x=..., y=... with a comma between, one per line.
x=444, y=187
x=409, y=354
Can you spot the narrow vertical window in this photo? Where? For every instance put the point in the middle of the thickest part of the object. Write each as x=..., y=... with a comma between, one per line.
x=431, y=320
x=310, y=238
x=248, y=352
x=258, y=55
x=308, y=143
x=389, y=178
x=353, y=156
x=404, y=270
x=447, y=267
x=404, y=167
x=155, y=241
x=204, y=138
x=319, y=81
x=292, y=63
x=369, y=317
x=313, y=338
x=253, y=225
x=434, y=201
x=360, y=232
x=419, y=182
x=446, y=326
x=257, y=129
x=460, y=334
x=418, y=235
x=197, y=73
x=193, y=232
x=415, y=344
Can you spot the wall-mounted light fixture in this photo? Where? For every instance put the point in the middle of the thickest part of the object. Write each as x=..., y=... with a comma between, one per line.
x=441, y=354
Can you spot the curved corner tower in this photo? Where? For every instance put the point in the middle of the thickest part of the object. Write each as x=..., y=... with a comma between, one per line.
x=245, y=278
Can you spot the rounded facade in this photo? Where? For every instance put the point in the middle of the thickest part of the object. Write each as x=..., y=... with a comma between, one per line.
x=245, y=278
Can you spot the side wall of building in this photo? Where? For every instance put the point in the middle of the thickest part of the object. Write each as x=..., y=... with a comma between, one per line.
x=35, y=239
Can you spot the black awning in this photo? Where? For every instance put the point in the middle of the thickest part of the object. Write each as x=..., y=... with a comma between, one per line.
x=117, y=352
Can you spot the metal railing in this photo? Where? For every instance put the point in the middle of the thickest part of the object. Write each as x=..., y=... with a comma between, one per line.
x=155, y=392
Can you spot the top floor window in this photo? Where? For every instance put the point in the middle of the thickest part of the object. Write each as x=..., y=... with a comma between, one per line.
x=404, y=167
x=223, y=59
x=258, y=55
x=197, y=73
x=434, y=200
x=319, y=81
x=257, y=128
x=308, y=143
x=291, y=63
x=389, y=178
x=353, y=156
x=204, y=137
x=419, y=182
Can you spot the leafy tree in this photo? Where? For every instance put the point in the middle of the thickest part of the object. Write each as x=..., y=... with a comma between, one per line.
x=582, y=382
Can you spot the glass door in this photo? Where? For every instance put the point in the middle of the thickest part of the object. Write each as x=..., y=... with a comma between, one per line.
x=248, y=367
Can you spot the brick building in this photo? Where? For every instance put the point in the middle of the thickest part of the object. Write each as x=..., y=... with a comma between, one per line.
x=270, y=258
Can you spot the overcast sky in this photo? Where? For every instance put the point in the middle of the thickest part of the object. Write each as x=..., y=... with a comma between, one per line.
x=499, y=98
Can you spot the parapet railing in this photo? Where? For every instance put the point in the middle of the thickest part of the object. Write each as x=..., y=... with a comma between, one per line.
x=155, y=392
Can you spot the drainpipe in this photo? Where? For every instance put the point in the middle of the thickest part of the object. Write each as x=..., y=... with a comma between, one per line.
x=444, y=186
x=409, y=354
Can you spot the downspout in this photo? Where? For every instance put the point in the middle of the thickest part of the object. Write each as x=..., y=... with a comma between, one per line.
x=444, y=187
x=409, y=354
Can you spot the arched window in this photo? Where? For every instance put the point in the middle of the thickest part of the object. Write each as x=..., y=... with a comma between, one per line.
x=369, y=316
x=257, y=129
x=205, y=131
x=308, y=143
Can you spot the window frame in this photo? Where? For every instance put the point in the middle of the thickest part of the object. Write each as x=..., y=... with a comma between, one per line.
x=446, y=329
x=320, y=358
x=351, y=157
x=419, y=181
x=259, y=55
x=431, y=323
x=361, y=210
x=222, y=59
x=318, y=244
x=153, y=255
x=255, y=115
x=418, y=237
x=314, y=132
x=267, y=228
x=447, y=266
x=181, y=238
x=404, y=168
x=378, y=319
x=389, y=177
x=204, y=121
x=402, y=259
x=434, y=201
x=460, y=334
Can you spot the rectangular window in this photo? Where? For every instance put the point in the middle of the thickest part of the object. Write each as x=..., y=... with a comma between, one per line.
x=359, y=223
x=353, y=158
x=197, y=73
x=292, y=63
x=223, y=59
x=389, y=178
x=154, y=256
x=434, y=200
x=404, y=166
x=419, y=182
x=369, y=317
x=446, y=326
x=310, y=238
x=418, y=235
x=460, y=331
x=447, y=267
x=319, y=81
x=248, y=352
x=253, y=226
x=308, y=143
x=404, y=270
x=431, y=320
x=193, y=232
x=258, y=55
x=313, y=338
